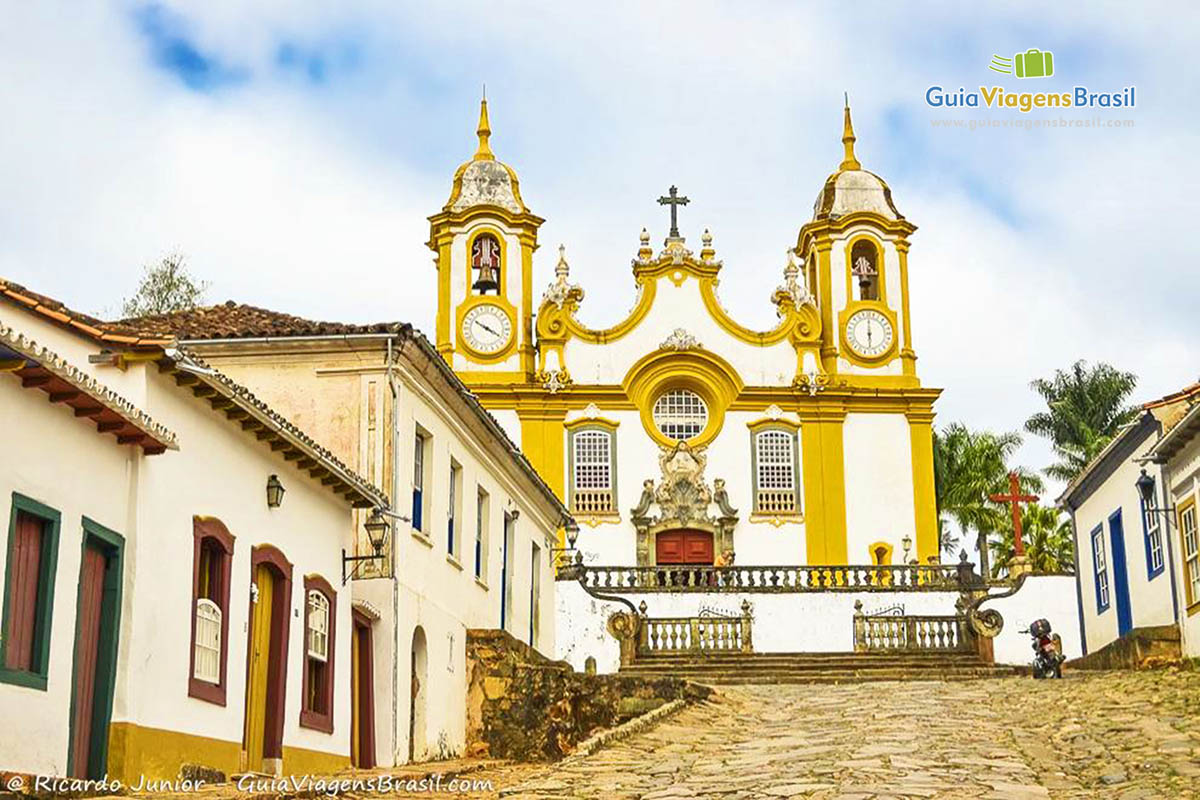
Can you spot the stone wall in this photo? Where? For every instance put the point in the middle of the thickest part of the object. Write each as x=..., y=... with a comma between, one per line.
x=1141, y=648
x=525, y=707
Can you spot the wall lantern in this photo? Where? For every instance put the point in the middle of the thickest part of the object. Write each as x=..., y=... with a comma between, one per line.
x=275, y=492
x=1145, y=487
x=572, y=528
x=377, y=532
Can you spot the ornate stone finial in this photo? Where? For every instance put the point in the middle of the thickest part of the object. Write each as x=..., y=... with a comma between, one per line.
x=558, y=291
x=858, y=606
x=746, y=608
x=706, y=249
x=793, y=287
x=679, y=339
x=849, y=162
x=484, y=132
x=642, y=608
x=562, y=269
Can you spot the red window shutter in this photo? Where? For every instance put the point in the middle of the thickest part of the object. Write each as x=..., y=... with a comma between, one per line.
x=26, y=557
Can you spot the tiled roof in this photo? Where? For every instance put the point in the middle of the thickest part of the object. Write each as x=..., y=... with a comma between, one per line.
x=40, y=367
x=106, y=332
x=231, y=320
x=364, y=493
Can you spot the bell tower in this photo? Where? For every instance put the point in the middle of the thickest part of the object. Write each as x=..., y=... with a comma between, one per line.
x=483, y=240
x=855, y=251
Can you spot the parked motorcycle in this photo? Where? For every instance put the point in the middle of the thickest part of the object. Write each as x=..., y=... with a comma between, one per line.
x=1048, y=655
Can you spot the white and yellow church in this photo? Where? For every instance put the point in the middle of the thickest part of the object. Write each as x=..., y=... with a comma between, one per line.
x=678, y=435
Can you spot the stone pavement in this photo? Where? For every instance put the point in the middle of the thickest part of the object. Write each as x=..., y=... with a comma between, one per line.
x=1123, y=735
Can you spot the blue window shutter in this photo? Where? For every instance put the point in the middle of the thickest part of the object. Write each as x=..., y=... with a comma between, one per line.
x=416, y=509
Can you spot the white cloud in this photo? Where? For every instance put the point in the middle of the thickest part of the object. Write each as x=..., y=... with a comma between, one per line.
x=313, y=199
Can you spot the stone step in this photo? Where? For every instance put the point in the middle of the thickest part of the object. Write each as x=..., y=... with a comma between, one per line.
x=827, y=660
x=735, y=677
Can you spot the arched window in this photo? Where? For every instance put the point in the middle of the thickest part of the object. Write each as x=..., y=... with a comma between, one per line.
x=680, y=414
x=485, y=263
x=592, y=472
x=864, y=269
x=320, y=603
x=212, y=558
x=775, y=472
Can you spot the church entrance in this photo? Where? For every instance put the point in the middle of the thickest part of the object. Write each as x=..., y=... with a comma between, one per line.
x=684, y=547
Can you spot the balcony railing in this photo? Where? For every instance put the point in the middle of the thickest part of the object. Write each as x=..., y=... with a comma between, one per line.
x=911, y=633
x=695, y=635
x=900, y=578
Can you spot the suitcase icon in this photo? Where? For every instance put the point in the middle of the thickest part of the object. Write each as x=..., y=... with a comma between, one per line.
x=1034, y=63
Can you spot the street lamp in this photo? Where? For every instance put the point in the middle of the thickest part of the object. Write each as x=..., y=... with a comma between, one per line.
x=1145, y=486
x=906, y=543
x=377, y=531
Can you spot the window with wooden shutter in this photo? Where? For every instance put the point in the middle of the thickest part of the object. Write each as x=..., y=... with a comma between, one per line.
x=316, y=710
x=775, y=472
x=29, y=593
x=211, y=568
x=592, y=465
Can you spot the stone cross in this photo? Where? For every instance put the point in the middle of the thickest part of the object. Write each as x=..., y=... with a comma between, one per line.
x=1015, y=498
x=674, y=200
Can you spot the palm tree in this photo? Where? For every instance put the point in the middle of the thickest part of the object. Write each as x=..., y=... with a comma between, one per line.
x=967, y=467
x=1085, y=409
x=1046, y=533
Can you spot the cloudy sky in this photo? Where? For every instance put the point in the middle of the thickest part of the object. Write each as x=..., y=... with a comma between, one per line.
x=294, y=150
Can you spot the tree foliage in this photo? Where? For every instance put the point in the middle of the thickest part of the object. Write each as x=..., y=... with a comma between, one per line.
x=968, y=466
x=165, y=287
x=1085, y=407
x=1046, y=533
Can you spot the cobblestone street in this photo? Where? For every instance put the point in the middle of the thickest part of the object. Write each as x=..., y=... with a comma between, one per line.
x=1101, y=735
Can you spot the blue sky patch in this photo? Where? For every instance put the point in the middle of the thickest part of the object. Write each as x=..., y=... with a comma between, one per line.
x=172, y=51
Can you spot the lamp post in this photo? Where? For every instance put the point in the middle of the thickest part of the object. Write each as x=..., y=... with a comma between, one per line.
x=1145, y=486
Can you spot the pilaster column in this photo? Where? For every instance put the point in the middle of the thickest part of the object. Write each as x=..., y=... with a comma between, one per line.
x=920, y=429
x=823, y=463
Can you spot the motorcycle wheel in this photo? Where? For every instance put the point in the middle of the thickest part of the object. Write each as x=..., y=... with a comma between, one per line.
x=1058, y=671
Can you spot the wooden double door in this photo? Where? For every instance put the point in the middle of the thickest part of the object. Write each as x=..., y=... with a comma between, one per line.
x=684, y=547
x=97, y=629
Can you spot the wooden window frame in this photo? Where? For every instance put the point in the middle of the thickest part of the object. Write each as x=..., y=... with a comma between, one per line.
x=420, y=476
x=794, y=436
x=573, y=433
x=1189, y=505
x=483, y=510
x=454, y=511
x=1153, y=572
x=313, y=719
x=1098, y=569
x=210, y=529
x=44, y=613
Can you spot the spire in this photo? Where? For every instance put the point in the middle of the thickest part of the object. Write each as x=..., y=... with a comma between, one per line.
x=484, y=153
x=849, y=162
x=562, y=269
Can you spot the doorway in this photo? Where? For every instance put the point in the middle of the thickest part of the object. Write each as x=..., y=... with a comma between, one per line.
x=418, y=691
x=1116, y=532
x=506, y=575
x=97, y=629
x=684, y=547
x=362, y=694
x=266, y=659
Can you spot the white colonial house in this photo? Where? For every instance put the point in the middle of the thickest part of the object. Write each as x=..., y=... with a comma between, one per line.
x=474, y=529
x=1178, y=455
x=1127, y=558
x=171, y=563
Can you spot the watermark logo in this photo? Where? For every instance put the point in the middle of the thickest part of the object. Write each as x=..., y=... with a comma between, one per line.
x=1033, y=63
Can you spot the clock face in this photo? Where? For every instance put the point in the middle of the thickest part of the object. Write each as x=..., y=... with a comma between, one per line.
x=487, y=328
x=869, y=333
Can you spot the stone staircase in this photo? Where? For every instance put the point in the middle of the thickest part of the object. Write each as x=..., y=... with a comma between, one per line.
x=780, y=668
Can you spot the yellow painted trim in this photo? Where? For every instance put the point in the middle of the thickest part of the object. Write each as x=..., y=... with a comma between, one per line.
x=302, y=761
x=504, y=305
x=583, y=422
x=559, y=324
x=847, y=350
x=821, y=229
x=527, y=345
x=1193, y=603
x=801, y=324
x=906, y=350
x=872, y=552
x=778, y=520
x=825, y=294
x=920, y=428
x=823, y=463
x=136, y=750
x=596, y=520
x=701, y=371
x=880, y=264
x=766, y=422
x=443, y=309
x=543, y=442
x=493, y=379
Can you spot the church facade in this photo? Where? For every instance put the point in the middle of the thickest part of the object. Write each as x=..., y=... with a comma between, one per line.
x=678, y=435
